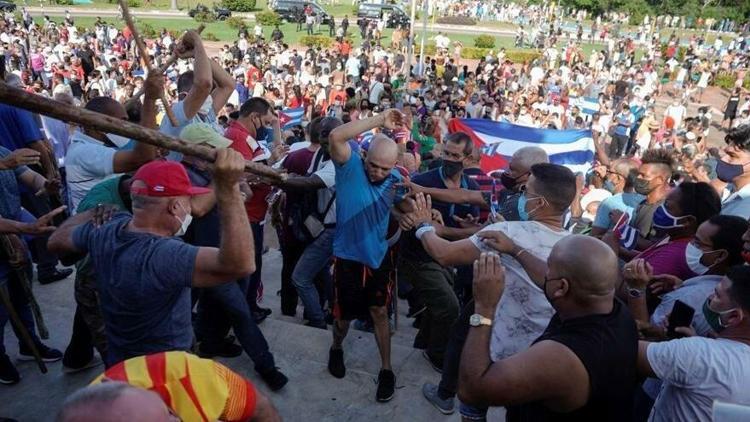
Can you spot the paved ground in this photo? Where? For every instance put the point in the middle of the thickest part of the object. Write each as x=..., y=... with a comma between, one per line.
x=301, y=352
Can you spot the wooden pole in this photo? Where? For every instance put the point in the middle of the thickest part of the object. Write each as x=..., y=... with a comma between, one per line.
x=15, y=320
x=170, y=61
x=146, y=59
x=108, y=124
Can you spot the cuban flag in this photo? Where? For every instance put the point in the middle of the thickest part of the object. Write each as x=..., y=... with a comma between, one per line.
x=499, y=140
x=587, y=105
x=290, y=117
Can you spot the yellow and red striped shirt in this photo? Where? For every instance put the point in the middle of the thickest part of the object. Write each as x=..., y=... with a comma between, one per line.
x=195, y=389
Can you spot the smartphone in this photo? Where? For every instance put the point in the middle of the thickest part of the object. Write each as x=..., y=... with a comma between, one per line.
x=681, y=316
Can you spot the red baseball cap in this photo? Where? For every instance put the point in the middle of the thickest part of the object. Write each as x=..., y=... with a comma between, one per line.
x=164, y=178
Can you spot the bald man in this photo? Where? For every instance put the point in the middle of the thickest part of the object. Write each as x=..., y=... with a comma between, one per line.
x=363, y=278
x=93, y=155
x=583, y=367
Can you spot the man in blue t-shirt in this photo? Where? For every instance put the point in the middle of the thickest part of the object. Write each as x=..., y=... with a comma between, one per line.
x=365, y=194
x=144, y=271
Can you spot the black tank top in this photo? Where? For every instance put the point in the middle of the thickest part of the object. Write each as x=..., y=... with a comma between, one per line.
x=607, y=345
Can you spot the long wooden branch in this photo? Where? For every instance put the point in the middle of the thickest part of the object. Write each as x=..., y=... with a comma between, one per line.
x=104, y=123
x=146, y=59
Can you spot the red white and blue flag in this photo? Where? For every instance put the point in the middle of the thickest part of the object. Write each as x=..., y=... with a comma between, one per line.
x=499, y=140
x=290, y=117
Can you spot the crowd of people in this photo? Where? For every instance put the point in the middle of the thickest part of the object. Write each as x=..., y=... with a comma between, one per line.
x=622, y=293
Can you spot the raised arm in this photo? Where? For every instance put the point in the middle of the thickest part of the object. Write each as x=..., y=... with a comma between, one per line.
x=298, y=183
x=224, y=86
x=234, y=257
x=142, y=153
x=192, y=46
x=340, y=149
x=547, y=371
x=453, y=196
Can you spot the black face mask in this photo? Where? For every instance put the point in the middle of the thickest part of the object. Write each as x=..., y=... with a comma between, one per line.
x=508, y=181
x=452, y=168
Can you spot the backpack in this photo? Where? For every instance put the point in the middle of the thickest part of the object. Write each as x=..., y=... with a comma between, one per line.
x=304, y=221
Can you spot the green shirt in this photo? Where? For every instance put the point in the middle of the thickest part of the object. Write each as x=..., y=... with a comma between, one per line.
x=104, y=192
x=426, y=143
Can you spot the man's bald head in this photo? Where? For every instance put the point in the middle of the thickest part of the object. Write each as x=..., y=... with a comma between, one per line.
x=114, y=402
x=381, y=158
x=526, y=157
x=588, y=264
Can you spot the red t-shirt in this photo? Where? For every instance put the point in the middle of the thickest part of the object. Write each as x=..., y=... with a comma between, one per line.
x=257, y=206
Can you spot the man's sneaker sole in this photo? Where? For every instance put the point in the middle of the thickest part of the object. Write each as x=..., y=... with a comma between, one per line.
x=385, y=400
x=30, y=358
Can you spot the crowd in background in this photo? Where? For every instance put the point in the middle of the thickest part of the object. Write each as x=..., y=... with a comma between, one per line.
x=621, y=293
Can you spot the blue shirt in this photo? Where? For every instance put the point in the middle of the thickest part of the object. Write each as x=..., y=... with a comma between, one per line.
x=412, y=247
x=362, y=212
x=10, y=197
x=18, y=128
x=144, y=285
x=626, y=202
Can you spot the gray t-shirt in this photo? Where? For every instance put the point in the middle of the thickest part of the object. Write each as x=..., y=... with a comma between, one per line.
x=144, y=285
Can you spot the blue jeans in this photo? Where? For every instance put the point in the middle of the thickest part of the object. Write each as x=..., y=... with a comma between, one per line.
x=20, y=303
x=225, y=306
x=313, y=260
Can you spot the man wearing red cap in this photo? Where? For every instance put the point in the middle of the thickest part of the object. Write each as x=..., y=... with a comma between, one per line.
x=144, y=272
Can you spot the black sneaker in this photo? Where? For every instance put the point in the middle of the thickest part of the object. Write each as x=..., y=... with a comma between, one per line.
x=56, y=275
x=274, y=379
x=386, y=385
x=336, y=363
x=225, y=349
x=48, y=354
x=8, y=373
x=259, y=316
x=435, y=363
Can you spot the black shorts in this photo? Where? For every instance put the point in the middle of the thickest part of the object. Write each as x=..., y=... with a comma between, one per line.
x=357, y=287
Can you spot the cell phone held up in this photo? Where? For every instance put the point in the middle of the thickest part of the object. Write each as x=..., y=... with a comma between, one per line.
x=681, y=316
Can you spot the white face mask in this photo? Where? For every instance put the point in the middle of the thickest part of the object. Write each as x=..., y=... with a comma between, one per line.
x=207, y=106
x=184, y=224
x=119, y=141
x=693, y=256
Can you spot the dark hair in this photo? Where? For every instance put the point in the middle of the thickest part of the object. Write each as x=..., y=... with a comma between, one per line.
x=659, y=156
x=739, y=291
x=185, y=82
x=321, y=127
x=557, y=184
x=699, y=200
x=461, y=138
x=739, y=137
x=729, y=236
x=255, y=105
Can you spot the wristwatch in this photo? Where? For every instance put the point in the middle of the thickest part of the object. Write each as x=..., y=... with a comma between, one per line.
x=476, y=320
x=636, y=293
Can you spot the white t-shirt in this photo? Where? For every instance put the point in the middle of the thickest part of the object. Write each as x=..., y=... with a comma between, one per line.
x=696, y=371
x=523, y=312
x=327, y=173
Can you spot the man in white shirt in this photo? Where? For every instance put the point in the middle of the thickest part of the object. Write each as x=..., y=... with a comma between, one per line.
x=696, y=371
x=376, y=90
x=322, y=176
x=677, y=111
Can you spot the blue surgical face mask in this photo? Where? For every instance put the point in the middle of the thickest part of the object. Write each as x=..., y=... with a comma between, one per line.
x=609, y=186
x=522, y=214
x=664, y=220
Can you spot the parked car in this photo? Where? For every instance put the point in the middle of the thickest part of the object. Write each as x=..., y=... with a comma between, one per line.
x=370, y=11
x=287, y=9
x=219, y=13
